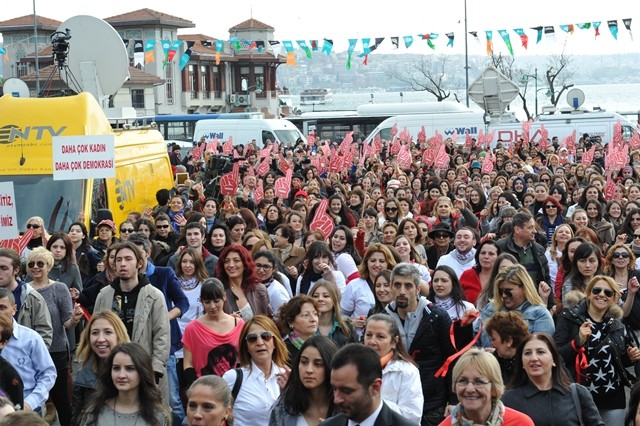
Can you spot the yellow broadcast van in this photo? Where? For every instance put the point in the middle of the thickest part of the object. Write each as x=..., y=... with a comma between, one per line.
x=27, y=127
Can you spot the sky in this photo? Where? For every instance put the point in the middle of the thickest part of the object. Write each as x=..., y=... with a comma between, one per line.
x=341, y=20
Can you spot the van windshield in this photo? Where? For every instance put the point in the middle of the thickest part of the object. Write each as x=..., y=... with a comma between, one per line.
x=287, y=136
x=57, y=202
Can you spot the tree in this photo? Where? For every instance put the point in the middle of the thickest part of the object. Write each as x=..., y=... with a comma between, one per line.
x=506, y=65
x=426, y=74
x=558, y=74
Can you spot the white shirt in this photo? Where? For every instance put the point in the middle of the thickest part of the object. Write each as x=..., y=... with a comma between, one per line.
x=337, y=275
x=346, y=265
x=357, y=299
x=194, y=312
x=256, y=396
x=369, y=421
x=449, y=260
x=402, y=389
x=278, y=296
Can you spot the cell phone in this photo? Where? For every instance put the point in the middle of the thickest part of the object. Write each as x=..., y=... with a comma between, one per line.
x=181, y=178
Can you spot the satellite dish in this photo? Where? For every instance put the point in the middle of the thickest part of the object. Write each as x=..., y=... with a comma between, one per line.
x=575, y=98
x=493, y=92
x=97, y=58
x=16, y=88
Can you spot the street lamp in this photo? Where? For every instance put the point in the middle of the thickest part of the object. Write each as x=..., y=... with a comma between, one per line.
x=35, y=43
x=525, y=80
x=466, y=56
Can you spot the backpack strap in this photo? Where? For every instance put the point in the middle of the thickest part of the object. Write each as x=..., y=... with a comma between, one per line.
x=237, y=384
x=576, y=402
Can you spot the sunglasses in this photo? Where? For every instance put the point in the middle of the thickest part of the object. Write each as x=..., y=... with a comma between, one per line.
x=39, y=264
x=443, y=235
x=635, y=237
x=624, y=254
x=505, y=292
x=33, y=226
x=391, y=209
x=597, y=290
x=162, y=226
x=253, y=337
x=550, y=206
x=127, y=231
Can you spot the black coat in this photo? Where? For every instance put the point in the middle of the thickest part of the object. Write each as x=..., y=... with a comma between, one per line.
x=387, y=417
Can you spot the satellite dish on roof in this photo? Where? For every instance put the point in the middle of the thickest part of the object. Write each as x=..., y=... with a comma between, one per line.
x=493, y=92
x=16, y=88
x=98, y=58
x=575, y=98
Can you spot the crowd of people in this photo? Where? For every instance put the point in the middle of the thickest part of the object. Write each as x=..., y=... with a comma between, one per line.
x=497, y=290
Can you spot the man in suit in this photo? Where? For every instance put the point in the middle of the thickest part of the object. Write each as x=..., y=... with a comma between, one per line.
x=356, y=378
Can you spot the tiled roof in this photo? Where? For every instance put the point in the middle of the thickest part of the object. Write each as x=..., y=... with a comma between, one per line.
x=251, y=24
x=149, y=17
x=137, y=76
x=26, y=22
x=199, y=49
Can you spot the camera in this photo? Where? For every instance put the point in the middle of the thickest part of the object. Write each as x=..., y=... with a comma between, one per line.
x=60, y=46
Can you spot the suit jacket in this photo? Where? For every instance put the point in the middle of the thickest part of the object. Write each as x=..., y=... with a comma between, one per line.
x=387, y=417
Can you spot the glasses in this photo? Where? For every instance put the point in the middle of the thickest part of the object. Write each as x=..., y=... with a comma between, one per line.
x=633, y=218
x=265, y=267
x=505, y=292
x=545, y=180
x=39, y=264
x=162, y=226
x=550, y=206
x=127, y=231
x=622, y=254
x=635, y=236
x=442, y=235
x=391, y=209
x=253, y=337
x=597, y=290
x=33, y=225
x=463, y=382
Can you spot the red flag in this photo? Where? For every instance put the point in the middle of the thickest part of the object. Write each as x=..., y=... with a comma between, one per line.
x=229, y=181
x=283, y=184
x=227, y=147
x=263, y=168
x=587, y=157
x=322, y=222
x=18, y=244
x=258, y=193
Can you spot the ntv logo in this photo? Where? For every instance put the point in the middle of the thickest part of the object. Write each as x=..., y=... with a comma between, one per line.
x=11, y=132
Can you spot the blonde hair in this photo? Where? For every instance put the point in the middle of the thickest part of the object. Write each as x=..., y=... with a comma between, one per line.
x=486, y=364
x=608, y=264
x=363, y=269
x=516, y=275
x=610, y=282
x=41, y=253
x=84, y=351
x=440, y=200
x=553, y=249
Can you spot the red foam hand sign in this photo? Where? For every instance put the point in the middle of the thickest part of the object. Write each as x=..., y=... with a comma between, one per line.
x=227, y=147
x=526, y=127
x=609, y=190
x=422, y=135
x=377, y=144
x=442, y=158
x=322, y=222
x=454, y=138
x=18, y=244
x=326, y=151
x=404, y=157
x=395, y=147
x=335, y=164
x=429, y=156
x=263, y=168
x=213, y=146
x=468, y=141
x=587, y=158
x=229, y=181
x=282, y=164
x=258, y=193
x=311, y=138
x=264, y=152
x=196, y=153
x=487, y=164
x=283, y=185
x=617, y=133
x=394, y=130
x=634, y=141
x=345, y=145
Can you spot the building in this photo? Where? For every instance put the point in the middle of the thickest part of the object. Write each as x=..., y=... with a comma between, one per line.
x=242, y=77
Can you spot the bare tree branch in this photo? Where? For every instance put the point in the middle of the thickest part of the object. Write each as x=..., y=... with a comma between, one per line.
x=426, y=74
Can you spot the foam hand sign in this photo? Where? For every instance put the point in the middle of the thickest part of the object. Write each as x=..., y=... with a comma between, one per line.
x=196, y=153
x=18, y=244
x=311, y=138
x=282, y=164
x=227, y=147
x=468, y=141
x=587, y=157
x=487, y=164
x=377, y=144
x=283, y=184
x=442, y=158
x=263, y=168
x=404, y=157
x=322, y=222
x=422, y=135
x=544, y=138
x=213, y=146
x=335, y=164
x=345, y=145
x=634, y=142
x=454, y=138
x=258, y=193
x=610, y=189
x=394, y=131
x=264, y=152
x=526, y=127
x=229, y=181
x=617, y=133
x=395, y=147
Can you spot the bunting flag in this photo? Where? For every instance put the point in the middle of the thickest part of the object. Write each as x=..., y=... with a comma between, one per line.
x=175, y=46
x=149, y=47
x=276, y=47
x=596, y=27
x=314, y=45
x=138, y=53
x=627, y=25
x=396, y=40
x=567, y=28
x=429, y=37
x=450, y=37
x=365, y=46
x=539, y=31
x=184, y=58
x=206, y=43
x=613, y=27
x=475, y=36
x=219, y=48
x=291, y=57
x=352, y=46
x=4, y=54
x=260, y=45
x=327, y=45
x=235, y=43
x=550, y=33
x=523, y=37
x=304, y=47
x=166, y=45
x=376, y=44
x=507, y=40
x=489, y=34
x=408, y=41
x=584, y=26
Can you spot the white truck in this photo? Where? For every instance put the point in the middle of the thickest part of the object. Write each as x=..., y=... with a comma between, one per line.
x=243, y=131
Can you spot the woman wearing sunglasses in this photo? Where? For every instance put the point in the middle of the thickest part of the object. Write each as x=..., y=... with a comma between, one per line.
x=391, y=212
x=515, y=291
x=596, y=348
x=262, y=374
x=39, y=237
x=551, y=217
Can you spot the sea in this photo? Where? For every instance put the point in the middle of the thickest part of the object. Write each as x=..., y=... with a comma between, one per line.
x=621, y=98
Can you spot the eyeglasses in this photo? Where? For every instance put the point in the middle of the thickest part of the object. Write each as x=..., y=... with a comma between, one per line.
x=622, y=254
x=127, y=231
x=39, y=264
x=33, y=225
x=550, y=206
x=391, y=209
x=635, y=236
x=463, y=382
x=597, y=290
x=442, y=235
x=505, y=292
x=253, y=337
x=545, y=180
x=265, y=267
x=162, y=226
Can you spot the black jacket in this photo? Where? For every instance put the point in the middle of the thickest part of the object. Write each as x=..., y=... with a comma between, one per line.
x=387, y=417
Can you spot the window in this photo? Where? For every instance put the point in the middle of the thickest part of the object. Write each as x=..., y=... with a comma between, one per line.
x=137, y=98
x=193, y=81
x=168, y=77
x=205, y=85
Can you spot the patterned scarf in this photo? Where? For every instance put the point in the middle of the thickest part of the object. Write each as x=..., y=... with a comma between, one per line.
x=188, y=284
x=463, y=259
x=495, y=418
x=444, y=304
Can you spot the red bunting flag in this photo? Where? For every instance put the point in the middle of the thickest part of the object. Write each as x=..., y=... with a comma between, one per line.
x=322, y=222
x=229, y=181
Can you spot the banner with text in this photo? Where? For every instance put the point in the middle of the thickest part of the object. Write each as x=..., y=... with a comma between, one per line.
x=82, y=157
x=8, y=216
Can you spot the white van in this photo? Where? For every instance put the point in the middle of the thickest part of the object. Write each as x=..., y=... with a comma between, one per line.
x=446, y=124
x=562, y=124
x=244, y=131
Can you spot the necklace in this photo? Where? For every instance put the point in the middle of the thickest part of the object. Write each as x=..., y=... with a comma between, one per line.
x=115, y=411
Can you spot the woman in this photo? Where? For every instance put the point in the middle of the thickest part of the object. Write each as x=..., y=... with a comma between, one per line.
x=64, y=315
x=551, y=217
x=383, y=292
x=308, y=396
x=580, y=219
x=344, y=252
x=586, y=264
x=514, y=290
x=473, y=280
x=126, y=228
x=407, y=253
x=357, y=297
x=245, y=295
x=176, y=213
x=401, y=386
x=298, y=321
x=64, y=268
x=542, y=389
x=318, y=264
x=633, y=413
x=391, y=212
x=409, y=228
x=262, y=374
x=211, y=341
x=506, y=330
x=614, y=214
x=389, y=232
x=209, y=210
x=446, y=293
x=620, y=264
x=330, y=321
x=442, y=237
x=106, y=236
x=278, y=287
x=592, y=331
x=273, y=219
x=87, y=297
x=338, y=211
x=104, y=331
x=38, y=238
x=443, y=212
x=127, y=392
x=218, y=238
x=87, y=257
x=369, y=228
x=209, y=402
x=236, y=226
x=295, y=219
x=561, y=236
x=604, y=230
x=480, y=403
x=286, y=250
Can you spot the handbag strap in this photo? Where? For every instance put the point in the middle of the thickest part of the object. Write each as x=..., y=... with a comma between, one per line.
x=576, y=402
x=237, y=383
